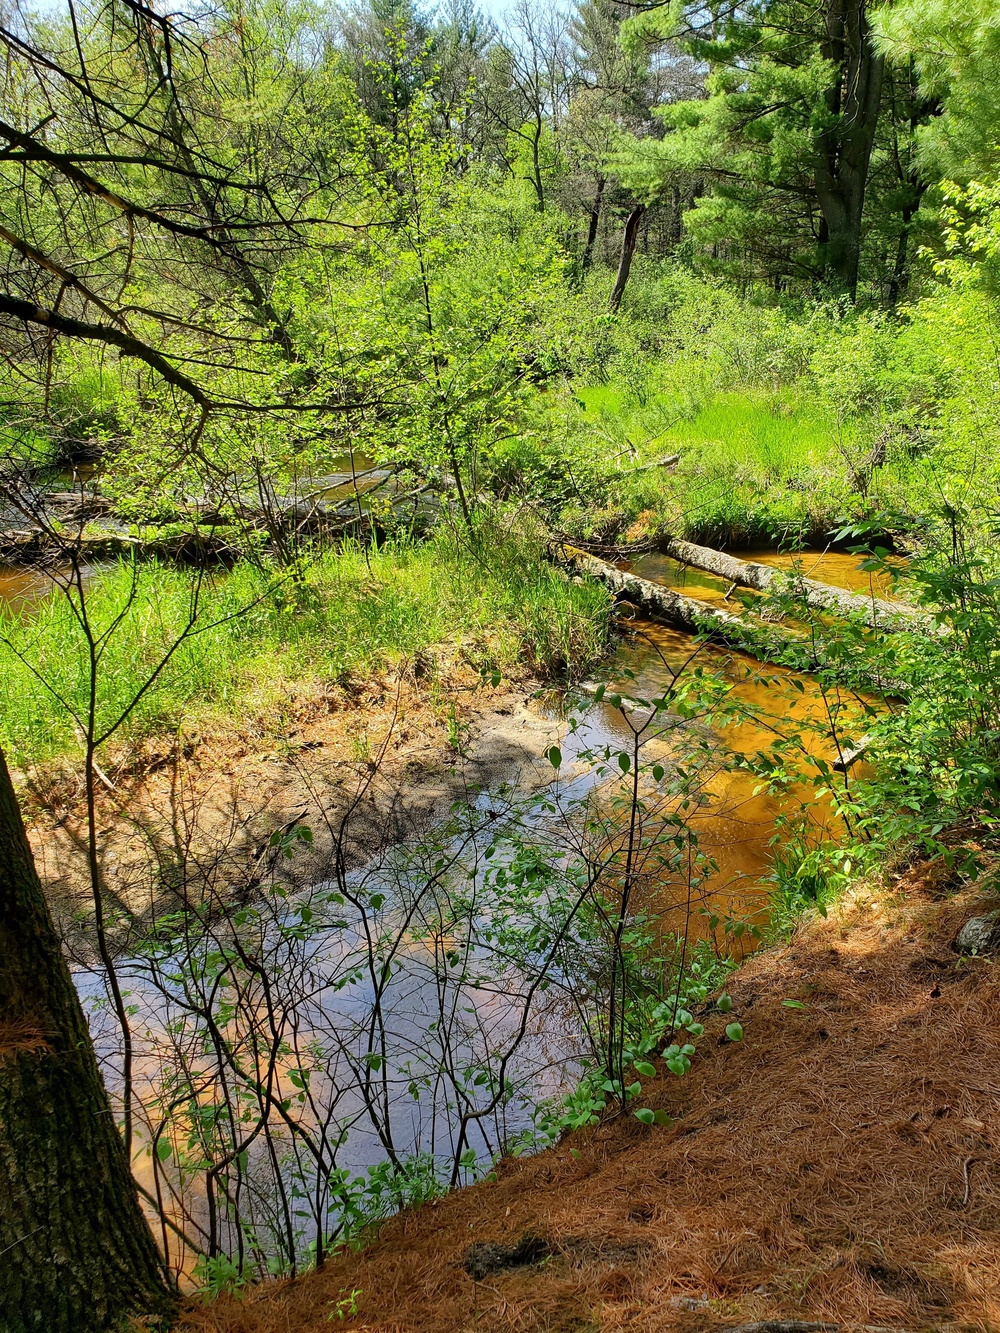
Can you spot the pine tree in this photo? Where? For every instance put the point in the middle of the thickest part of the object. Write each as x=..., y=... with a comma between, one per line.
x=76, y=1253
x=785, y=134
x=955, y=47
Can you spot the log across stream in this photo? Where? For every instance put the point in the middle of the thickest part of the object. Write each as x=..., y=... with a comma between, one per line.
x=711, y=614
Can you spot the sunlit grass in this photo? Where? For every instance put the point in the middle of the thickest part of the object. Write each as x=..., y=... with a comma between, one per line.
x=262, y=635
x=753, y=465
x=768, y=435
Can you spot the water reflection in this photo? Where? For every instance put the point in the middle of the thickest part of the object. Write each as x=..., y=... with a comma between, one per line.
x=21, y=589
x=736, y=823
x=386, y=1017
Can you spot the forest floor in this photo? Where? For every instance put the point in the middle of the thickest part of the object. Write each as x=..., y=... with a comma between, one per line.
x=396, y=748
x=840, y=1165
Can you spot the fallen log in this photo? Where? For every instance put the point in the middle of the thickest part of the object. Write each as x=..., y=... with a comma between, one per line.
x=767, y=642
x=684, y=612
x=850, y=756
x=877, y=612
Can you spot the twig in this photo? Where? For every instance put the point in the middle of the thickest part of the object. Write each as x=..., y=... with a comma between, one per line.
x=965, y=1176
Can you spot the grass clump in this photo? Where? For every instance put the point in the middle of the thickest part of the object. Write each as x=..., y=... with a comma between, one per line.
x=261, y=635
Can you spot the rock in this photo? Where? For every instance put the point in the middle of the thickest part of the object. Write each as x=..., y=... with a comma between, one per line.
x=688, y=1303
x=979, y=935
x=487, y=1257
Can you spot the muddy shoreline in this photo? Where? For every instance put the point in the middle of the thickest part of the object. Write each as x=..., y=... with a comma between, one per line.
x=188, y=817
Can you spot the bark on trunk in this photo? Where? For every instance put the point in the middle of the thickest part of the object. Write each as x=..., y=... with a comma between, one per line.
x=875, y=611
x=844, y=149
x=592, y=226
x=631, y=235
x=76, y=1253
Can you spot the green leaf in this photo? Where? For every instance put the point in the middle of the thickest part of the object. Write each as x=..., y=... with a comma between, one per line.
x=163, y=1149
x=734, y=1032
x=657, y=772
x=724, y=1003
x=555, y=756
x=793, y=1004
x=644, y=1068
x=661, y=1118
x=624, y=762
x=645, y=1115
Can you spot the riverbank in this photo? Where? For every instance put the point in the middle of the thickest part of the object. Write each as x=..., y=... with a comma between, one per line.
x=215, y=651
x=194, y=813
x=840, y=1166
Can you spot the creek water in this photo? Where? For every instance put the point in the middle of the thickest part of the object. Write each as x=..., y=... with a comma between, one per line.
x=21, y=588
x=391, y=1048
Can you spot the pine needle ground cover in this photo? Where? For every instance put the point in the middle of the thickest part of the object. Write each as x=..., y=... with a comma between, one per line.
x=839, y=1166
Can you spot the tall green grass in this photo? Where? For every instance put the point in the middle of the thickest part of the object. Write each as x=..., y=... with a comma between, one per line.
x=773, y=436
x=754, y=465
x=262, y=637
x=757, y=468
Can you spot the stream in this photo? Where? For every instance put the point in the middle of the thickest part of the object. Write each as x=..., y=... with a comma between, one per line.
x=386, y=1014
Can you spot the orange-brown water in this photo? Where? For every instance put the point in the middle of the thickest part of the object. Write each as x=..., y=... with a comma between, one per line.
x=20, y=589
x=736, y=819
x=837, y=567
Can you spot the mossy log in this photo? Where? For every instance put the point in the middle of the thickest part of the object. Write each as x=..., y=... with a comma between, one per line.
x=685, y=613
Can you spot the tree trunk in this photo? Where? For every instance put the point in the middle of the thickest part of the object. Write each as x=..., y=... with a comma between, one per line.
x=899, y=278
x=845, y=147
x=536, y=163
x=595, y=218
x=631, y=235
x=911, y=187
x=76, y=1253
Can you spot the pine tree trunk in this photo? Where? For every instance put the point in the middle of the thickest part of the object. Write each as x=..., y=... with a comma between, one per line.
x=76, y=1253
x=844, y=150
